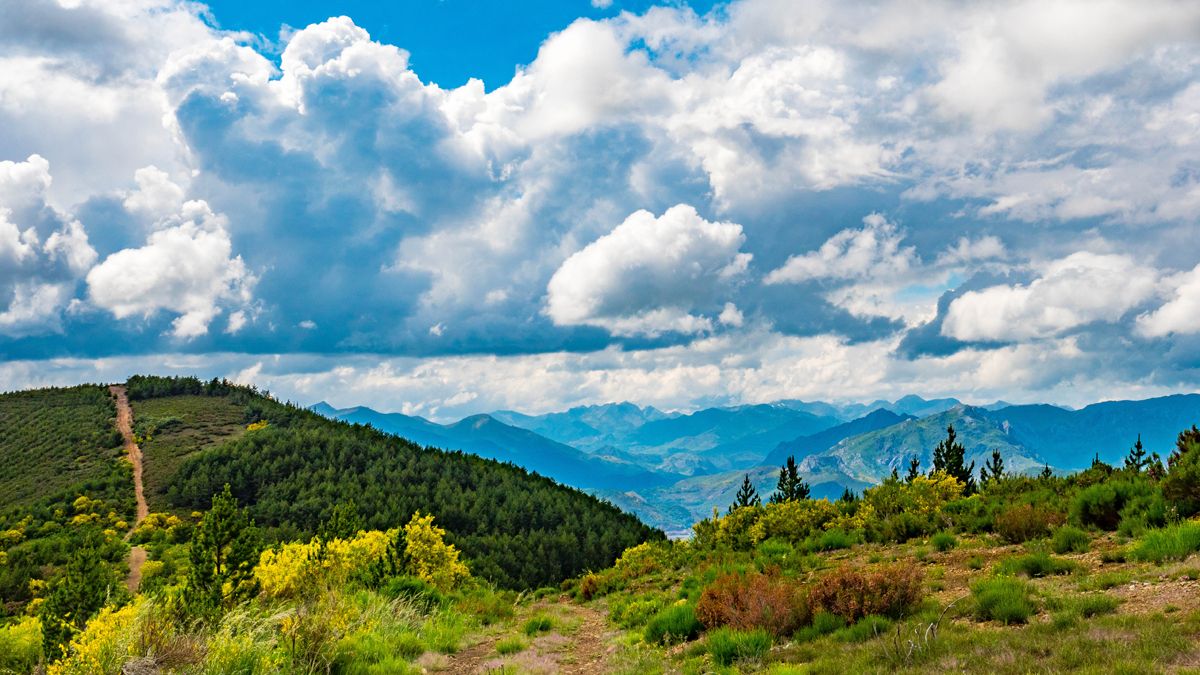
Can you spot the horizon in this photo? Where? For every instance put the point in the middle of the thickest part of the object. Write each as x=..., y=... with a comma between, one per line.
x=450, y=207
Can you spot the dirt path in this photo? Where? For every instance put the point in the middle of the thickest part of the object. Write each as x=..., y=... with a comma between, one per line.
x=137, y=554
x=581, y=647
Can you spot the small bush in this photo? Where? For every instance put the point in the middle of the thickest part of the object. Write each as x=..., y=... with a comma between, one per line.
x=510, y=645
x=1021, y=523
x=1094, y=604
x=823, y=623
x=943, y=541
x=538, y=624
x=867, y=628
x=20, y=646
x=589, y=586
x=831, y=540
x=1002, y=599
x=1170, y=543
x=1068, y=539
x=976, y=562
x=1144, y=512
x=749, y=601
x=852, y=595
x=726, y=645
x=1039, y=564
x=1100, y=505
x=414, y=588
x=677, y=623
x=634, y=612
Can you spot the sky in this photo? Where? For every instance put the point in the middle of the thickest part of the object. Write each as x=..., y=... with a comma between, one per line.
x=455, y=206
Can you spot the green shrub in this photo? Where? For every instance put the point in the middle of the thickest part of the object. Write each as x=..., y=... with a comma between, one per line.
x=1169, y=543
x=1181, y=487
x=943, y=541
x=539, y=623
x=20, y=646
x=903, y=526
x=1143, y=512
x=510, y=645
x=831, y=540
x=866, y=628
x=1100, y=505
x=1068, y=539
x=415, y=589
x=823, y=623
x=1002, y=599
x=677, y=623
x=634, y=612
x=726, y=645
x=1038, y=564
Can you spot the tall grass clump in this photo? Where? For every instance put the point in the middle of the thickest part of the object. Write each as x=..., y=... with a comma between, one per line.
x=943, y=541
x=1175, y=542
x=1002, y=599
x=1038, y=564
x=677, y=623
x=726, y=645
x=1068, y=539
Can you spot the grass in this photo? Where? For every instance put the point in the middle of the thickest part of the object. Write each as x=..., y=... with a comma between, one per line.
x=173, y=428
x=1040, y=564
x=1002, y=599
x=538, y=624
x=676, y=623
x=1175, y=542
x=727, y=646
x=943, y=541
x=510, y=645
x=1069, y=539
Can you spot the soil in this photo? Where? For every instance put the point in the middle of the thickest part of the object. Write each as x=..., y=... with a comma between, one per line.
x=137, y=554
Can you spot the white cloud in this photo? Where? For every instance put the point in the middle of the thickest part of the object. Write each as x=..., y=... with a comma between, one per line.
x=1180, y=314
x=649, y=274
x=186, y=267
x=156, y=195
x=872, y=251
x=731, y=316
x=1082, y=288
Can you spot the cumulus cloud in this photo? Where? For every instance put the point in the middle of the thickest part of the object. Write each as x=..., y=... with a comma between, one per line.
x=873, y=250
x=1180, y=314
x=1082, y=288
x=649, y=274
x=187, y=267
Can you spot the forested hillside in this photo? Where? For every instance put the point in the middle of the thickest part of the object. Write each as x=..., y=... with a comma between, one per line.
x=294, y=467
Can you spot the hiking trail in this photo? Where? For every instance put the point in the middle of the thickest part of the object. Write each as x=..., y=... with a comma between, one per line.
x=137, y=554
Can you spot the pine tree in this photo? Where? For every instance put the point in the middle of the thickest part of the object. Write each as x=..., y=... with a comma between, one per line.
x=224, y=549
x=791, y=487
x=993, y=469
x=914, y=469
x=1136, y=460
x=848, y=496
x=950, y=456
x=344, y=523
x=1047, y=473
x=76, y=594
x=1154, y=468
x=746, y=496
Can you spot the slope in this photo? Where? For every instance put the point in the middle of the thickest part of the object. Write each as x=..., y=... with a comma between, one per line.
x=291, y=467
x=807, y=445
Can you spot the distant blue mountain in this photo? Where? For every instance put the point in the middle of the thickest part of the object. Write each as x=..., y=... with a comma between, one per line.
x=488, y=437
x=593, y=425
x=907, y=405
x=1069, y=439
x=806, y=445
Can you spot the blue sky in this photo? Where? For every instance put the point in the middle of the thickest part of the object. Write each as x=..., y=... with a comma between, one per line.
x=671, y=204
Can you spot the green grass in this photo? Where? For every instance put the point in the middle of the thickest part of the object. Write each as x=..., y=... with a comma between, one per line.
x=1002, y=599
x=1070, y=539
x=538, y=624
x=1169, y=543
x=177, y=428
x=943, y=541
x=727, y=646
x=676, y=623
x=1040, y=564
x=510, y=645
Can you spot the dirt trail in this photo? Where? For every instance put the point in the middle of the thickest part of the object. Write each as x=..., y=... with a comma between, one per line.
x=581, y=650
x=137, y=554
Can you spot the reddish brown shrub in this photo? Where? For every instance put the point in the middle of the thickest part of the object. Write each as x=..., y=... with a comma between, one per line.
x=852, y=595
x=589, y=586
x=1021, y=523
x=749, y=601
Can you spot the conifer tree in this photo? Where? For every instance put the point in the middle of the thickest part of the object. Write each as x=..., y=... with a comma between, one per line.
x=1047, y=473
x=1136, y=460
x=1154, y=468
x=993, y=469
x=746, y=496
x=848, y=496
x=76, y=594
x=791, y=487
x=224, y=549
x=344, y=523
x=914, y=469
x=950, y=456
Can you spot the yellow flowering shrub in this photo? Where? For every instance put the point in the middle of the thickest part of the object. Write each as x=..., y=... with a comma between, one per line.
x=794, y=520
x=924, y=496
x=255, y=426
x=104, y=645
x=21, y=645
x=430, y=557
x=299, y=566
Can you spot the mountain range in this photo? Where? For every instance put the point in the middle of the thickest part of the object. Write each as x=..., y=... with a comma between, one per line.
x=672, y=468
